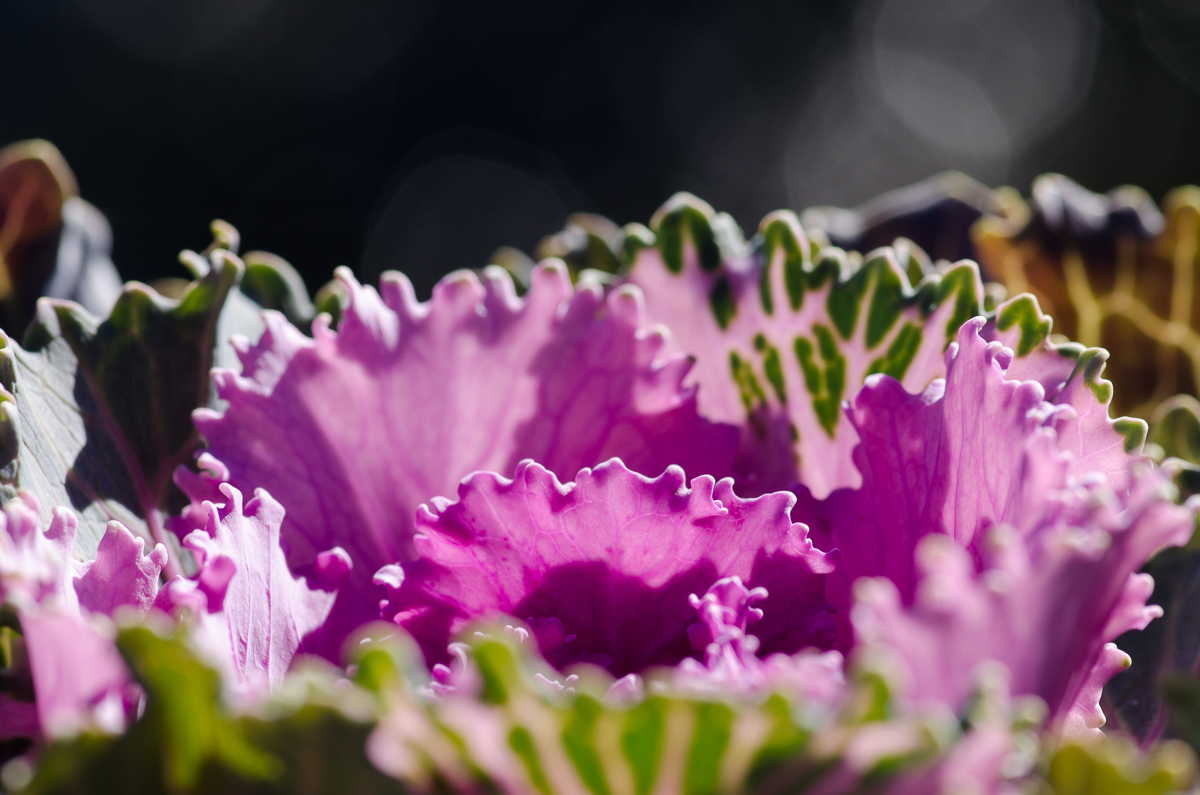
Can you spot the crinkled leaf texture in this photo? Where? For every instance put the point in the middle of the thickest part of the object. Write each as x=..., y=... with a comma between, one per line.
x=604, y=566
x=784, y=333
x=96, y=414
x=956, y=459
x=353, y=430
x=252, y=613
x=79, y=680
x=1028, y=518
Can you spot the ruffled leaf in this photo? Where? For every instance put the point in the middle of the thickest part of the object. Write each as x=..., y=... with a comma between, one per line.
x=1030, y=549
x=609, y=562
x=353, y=430
x=969, y=453
x=253, y=614
x=76, y=676
x=782, y=339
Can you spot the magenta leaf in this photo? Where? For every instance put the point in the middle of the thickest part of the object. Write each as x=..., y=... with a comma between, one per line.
x=1028, y=518
x=353, y=430
x=971, y=452
x=603, y=567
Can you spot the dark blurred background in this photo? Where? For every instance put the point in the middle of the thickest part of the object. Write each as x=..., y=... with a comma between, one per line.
x=421, y=135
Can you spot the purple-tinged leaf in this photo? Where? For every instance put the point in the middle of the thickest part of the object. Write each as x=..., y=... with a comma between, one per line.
x=252, y=613
x=1047, y=603
x=969, y=453
x=78, y=678
x=353, y=430
x=1026, y=552
x=781, y=341
x=608, y=562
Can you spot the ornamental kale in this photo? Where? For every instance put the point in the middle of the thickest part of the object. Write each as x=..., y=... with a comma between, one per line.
x=746, y=515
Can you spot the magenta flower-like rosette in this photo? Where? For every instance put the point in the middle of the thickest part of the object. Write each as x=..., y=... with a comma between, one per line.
x=739, y=468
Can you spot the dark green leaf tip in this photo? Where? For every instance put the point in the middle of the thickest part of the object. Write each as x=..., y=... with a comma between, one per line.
x=1023, y=311
x=1134, y=430
x=845, y=298
x=781, y=232
x=637, y=237
x=961, y=284
x=272, y=283
x=685, y=216
x=1089, y=366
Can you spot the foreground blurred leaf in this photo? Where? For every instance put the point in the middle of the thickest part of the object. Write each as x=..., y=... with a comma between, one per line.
x=188, y=742
x=1114, y=767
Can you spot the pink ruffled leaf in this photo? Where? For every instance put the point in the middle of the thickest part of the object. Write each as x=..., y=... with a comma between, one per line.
x=1046, y=602
x=612, y=558
x=253, y=614
x=353, y=430
x=972, y=452
x=79, y=679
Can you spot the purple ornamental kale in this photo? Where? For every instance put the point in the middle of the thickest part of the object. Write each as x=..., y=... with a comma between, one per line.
x=975, y=432
x=352, y=431
x=603, y=567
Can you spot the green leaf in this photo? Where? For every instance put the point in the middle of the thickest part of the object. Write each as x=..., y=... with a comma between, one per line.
x=1175, y=427
x=183, y=731
x=103, y=406
x=272, y=283
x=1114, y=767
